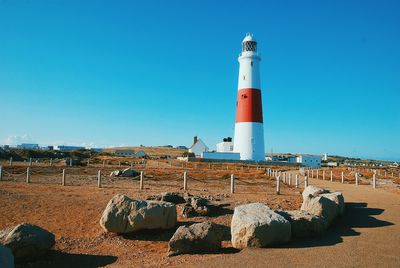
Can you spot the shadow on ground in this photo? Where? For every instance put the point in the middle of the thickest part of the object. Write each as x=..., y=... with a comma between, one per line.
x=60, y=259
x=357, y=215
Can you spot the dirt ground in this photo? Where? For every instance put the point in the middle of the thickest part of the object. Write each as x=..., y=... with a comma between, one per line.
x=72, y=212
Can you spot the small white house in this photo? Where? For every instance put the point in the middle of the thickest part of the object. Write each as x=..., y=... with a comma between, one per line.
x=198, y=147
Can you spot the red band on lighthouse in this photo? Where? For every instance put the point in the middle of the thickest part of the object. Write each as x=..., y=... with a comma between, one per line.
x=249, y=107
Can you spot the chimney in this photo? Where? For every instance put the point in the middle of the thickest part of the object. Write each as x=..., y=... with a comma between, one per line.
x=194, y=139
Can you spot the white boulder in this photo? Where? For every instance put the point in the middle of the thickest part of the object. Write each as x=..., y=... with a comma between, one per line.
x=256, y=225
x=125, y=215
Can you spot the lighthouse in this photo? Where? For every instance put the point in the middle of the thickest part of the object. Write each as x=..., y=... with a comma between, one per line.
x=249, y=131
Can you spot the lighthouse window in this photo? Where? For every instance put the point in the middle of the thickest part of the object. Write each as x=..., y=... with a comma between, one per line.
x=251, y=64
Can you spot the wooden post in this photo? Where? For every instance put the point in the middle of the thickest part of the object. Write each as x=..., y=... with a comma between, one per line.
x=356, y=178
x=317, y=174
x=51, y=161
x=312, y=173
x=374, y=181
x=185, y=180
x=30, y=161
x=232, y=184
x=88, y=162
x=63, y=178
x=278, y=186
x=331, y=175
x=141, y=181
x=323, y=174
x=308, y=172
x=342, y=177
x=305, y=182
x=11, y=160
x=99, y=178
x=70, y=162
x=284, y=177
x=297, y=180
x=28, y=173
x=119, y=163
x=290, y=179
x=131, y=165
x=1, y=173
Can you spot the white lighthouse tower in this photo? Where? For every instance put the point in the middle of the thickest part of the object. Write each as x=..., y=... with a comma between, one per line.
x=249, y=131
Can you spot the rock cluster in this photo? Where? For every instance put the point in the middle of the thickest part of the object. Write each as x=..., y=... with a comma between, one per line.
x=125, y=215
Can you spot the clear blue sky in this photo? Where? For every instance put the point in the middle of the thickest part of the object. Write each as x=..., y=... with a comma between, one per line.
x=159, y=72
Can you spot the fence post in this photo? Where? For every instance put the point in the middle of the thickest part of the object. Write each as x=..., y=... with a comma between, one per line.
x=119, y=163
x=88, y=162
x=305, y=182
x=374, y=181
x=284, y=177
x=99, y=178
x=70, y=162
x=185, y=180
x=1, y=173
x=331, y=175
x=63, y=178
x=297, y=180
x=317, y=174
x=308, y=172
x=278, y=186
x=11, y=159
x=28, y=173
x=290, y=179
x=312, y=173
x=356, y=178
x=232, y=184
x=141, y=180
x=342, y=177
x=30, y=161
x=323, y=174
x=51, y=161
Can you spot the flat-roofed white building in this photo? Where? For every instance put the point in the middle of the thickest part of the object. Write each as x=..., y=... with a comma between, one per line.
x=225, y=146
x=306, y=160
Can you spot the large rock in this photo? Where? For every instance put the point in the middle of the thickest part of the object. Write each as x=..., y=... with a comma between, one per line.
x=321, y=206
x=304, y=224
x=27, y=241
x=196, y=238
x=128, y=172
x=175, y=198
x=125, y=215
x=6, y=257
x=256, y=225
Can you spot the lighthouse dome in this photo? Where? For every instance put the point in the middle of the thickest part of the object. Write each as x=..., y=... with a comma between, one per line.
x=249, y=44
x=248, y=37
